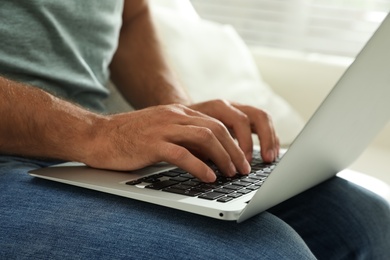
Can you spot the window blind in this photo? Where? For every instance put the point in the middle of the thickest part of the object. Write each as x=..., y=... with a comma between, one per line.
x=337, y=27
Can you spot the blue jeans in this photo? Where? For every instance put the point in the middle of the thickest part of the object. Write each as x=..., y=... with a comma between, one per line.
x=40, y=219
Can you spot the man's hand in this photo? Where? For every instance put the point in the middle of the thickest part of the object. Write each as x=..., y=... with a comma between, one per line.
x=243, y=121
x=171, y=133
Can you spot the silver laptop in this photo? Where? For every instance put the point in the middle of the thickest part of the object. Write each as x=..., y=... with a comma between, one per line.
x=348, y=119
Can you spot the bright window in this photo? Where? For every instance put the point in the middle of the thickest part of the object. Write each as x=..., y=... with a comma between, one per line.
x=337, y=27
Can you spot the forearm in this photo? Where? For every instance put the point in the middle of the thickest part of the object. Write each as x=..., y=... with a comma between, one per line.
x=37, y=124
x=139, y=68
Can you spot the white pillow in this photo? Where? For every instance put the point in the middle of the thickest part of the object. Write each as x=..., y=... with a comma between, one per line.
x=212, y=62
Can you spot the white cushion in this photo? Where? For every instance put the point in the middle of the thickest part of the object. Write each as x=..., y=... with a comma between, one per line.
x=370, y=183
x=212, y=62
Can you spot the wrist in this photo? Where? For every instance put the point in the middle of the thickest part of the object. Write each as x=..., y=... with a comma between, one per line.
x=70, y=131
x=87, y=137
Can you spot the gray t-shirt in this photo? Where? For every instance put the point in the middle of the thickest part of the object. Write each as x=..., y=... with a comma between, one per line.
x=62, y=46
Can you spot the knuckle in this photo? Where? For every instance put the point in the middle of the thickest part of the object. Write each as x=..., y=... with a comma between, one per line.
x=214, y=127
x=204, y=133
x=178, y=106
x=221, y=102
x=170, y=111
x=243, y=119
x=168, y=108
x=263, y=115
x=219, y=128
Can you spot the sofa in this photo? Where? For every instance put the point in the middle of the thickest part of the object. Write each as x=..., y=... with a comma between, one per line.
x=213, y=62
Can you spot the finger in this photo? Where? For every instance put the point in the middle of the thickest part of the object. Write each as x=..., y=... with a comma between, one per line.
x=262, y=125
x=239, y=122
x=229, y=145
x=224, y=115
x=277, y=149
x=181, y=157
x=228, y=150
x=203, y=140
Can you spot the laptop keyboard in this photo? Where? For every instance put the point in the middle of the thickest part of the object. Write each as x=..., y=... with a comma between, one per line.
x=224, y=189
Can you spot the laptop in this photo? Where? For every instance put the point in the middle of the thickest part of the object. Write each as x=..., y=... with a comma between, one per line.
x=352, y=114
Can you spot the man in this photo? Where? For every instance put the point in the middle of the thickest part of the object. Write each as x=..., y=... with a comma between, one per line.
x=55, y=59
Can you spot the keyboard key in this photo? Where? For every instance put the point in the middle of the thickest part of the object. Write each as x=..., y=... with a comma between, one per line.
x=135, y=182
x=256, y=168
x=267, y=170
x=224, y=199
x=250, y=180
x=200, y=191
x=151, y=179
x=187, y=175
x=190, y=193
x=243, y=184
x=180, y=186
x=179, y=179
x=262, y=174
x=234, y=195
x=222, y=190
x=209, y=186
x=178, y=170
x=232, y=187
x=161, y=185
x=221, y=181
x=202, y=188
x=170, y=174
x=191, y=183
x=253, y=187
x=255, y=177
x=211, y=195
x=244, y=191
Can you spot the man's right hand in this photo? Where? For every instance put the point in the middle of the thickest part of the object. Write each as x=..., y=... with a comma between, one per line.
x=169, y=133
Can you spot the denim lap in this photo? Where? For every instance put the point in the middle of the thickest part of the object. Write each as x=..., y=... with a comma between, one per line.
x=44, y=219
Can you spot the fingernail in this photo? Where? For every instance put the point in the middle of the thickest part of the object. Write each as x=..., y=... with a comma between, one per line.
x=271, y=155
x=210, y=175
x=247, y=167
x=232, y=169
